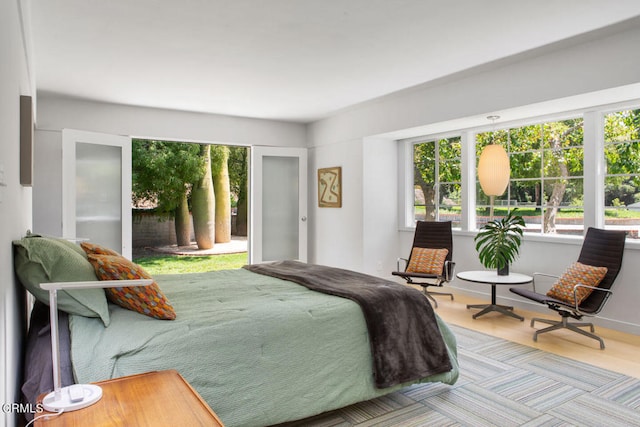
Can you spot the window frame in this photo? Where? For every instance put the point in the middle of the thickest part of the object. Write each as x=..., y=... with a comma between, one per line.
x=605, y=169
x=407, y=194
x=594, y=167
x=543, y=151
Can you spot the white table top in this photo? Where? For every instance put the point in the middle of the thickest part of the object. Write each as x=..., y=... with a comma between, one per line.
x=491, y=277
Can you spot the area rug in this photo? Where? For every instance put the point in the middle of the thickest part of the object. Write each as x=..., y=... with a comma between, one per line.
x=502, y=384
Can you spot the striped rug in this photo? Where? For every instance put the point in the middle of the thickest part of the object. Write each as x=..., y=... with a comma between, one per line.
x=502, y=384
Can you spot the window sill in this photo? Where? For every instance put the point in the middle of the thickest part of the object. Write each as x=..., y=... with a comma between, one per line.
x=631, y=244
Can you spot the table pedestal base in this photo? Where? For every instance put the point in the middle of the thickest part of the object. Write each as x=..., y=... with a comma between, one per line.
x=493, y=279
x=487, y=308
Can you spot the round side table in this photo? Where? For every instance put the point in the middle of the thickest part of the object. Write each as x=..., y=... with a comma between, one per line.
x=492, y=278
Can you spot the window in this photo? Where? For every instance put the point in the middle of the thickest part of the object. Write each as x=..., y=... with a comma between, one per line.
x=437, y=180
x=546, y=182
x=548, y=174
x=622, y=179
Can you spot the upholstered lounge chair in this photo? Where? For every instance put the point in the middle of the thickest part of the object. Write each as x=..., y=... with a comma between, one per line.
x=601, y=248
x=435, y=237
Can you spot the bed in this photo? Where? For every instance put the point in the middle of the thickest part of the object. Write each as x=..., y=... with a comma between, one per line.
x=259, y=349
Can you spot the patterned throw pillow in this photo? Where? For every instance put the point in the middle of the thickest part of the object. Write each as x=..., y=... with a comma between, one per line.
x=148, y=300
x=577, y=273
x=92, y=248
x=427, y=260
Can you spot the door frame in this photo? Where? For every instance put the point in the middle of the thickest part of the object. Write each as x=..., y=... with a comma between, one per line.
x=69, y=139
x=255, y=199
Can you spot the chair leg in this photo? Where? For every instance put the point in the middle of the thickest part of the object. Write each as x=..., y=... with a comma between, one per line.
x=429, y=297
x=441, y=293
x=547, y=321
x=564, y=324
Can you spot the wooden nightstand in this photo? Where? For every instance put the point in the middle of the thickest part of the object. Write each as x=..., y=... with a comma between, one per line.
x=161, y=398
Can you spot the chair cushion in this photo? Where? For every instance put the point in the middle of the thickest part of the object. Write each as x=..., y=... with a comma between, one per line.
x=427, y=260
x=577, y=273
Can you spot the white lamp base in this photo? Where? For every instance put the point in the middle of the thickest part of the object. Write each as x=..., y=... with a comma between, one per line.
x=90, y=394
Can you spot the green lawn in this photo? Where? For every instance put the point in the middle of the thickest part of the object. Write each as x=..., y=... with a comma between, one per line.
x=176, y=264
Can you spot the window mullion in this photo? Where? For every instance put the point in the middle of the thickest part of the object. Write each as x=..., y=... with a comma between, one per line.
x=406, y=186
x=468, y=177
x=594, y=161
x=436, y=179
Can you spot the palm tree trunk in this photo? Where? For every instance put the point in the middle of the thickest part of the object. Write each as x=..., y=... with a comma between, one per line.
x=242, y=215
x=183, y=222
x=203, y=205
x=242, y=211
x=222, y=190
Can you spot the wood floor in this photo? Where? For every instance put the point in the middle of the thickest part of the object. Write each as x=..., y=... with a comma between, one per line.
x=620, y=354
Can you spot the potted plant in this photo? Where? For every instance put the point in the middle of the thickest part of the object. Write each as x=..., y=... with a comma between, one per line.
x=498, y=242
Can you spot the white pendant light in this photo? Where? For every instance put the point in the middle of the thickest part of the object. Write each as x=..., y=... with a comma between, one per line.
x=494, y=169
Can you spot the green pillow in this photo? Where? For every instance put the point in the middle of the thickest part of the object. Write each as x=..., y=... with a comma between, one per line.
x=73, y=246
x=42, y=260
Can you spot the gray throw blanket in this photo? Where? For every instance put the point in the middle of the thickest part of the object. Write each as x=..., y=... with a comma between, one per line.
x=405, y=339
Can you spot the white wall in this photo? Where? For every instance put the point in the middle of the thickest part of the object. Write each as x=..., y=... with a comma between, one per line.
x=335, y=234
x=587, y=71
x=56, y=113
x=15, y=200
x=380, y=210
x=350, y=236
x=567, y=69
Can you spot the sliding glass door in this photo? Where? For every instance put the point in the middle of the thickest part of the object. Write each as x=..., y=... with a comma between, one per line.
x=96, y=187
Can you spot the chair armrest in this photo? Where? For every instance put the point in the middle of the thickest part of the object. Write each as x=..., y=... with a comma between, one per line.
x=575, y=296
x=593, y=288
x=398, y=264
x=536, y=274
x=449, y=268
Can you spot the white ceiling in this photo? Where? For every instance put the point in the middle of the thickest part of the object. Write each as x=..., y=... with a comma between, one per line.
x=294, y=60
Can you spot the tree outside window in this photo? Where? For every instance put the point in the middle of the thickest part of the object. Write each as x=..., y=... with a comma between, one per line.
x=622, y=179
x=546, y=182
x=437, y=180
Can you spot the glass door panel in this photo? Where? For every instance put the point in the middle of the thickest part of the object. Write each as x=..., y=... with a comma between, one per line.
x=278, y=218
x=96, y=189
x=280, y=211
x=99, y=194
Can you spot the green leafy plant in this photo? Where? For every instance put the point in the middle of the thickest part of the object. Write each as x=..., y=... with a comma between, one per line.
x=498, y=242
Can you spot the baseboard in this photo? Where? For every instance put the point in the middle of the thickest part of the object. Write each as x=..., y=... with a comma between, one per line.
x=602, y=321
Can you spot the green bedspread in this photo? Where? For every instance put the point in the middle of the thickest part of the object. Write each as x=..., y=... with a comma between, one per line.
x=259, y=350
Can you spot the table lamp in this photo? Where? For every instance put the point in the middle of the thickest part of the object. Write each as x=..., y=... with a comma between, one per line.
x=76, y=396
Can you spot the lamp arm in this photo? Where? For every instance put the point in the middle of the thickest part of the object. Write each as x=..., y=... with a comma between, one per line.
x=95, y=284
x=593, y=289
x=55, y=348
x=53, y=288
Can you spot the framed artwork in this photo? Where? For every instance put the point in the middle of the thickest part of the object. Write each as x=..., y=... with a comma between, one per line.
x=330, y=187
